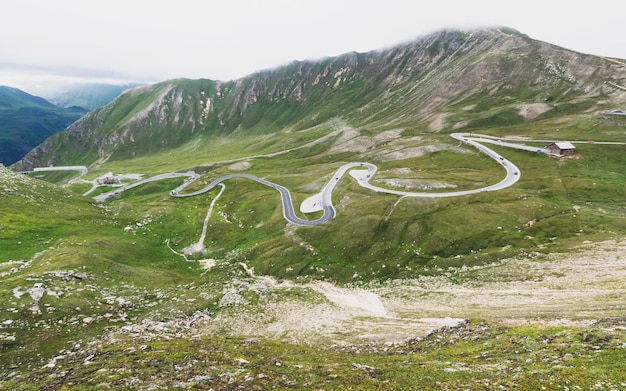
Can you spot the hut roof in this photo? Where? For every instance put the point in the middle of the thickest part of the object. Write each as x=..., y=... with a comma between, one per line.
x=565, y=145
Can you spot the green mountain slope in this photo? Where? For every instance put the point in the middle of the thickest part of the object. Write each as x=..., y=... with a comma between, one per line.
x=395, y=108
x=60, y=244
x=119, y=281
x=27, y=120
x=416, y=85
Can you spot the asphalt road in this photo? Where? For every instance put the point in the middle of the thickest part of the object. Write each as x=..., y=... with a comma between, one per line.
x=83, y=170
x=364, y=172
x=361, y=171
x=192, y=177
x=285, y=196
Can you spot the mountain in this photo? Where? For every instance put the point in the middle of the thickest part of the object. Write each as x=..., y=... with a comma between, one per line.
x=27, y=120
x=87, y=95
x=221, y=289
x=395, y=108
x=418, y=84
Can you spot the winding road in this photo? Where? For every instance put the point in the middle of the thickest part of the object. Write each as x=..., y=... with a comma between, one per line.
x=83, y=171
x=361, y=171
x=322, y=201
x=190, y=174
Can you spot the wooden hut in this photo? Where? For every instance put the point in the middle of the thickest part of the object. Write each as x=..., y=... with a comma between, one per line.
x=562, y=148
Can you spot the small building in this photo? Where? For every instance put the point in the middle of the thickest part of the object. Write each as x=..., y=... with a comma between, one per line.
x=108, y=180
x=562, y=148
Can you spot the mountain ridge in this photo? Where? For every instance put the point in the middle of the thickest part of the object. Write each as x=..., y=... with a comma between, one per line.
x=107, y=274
x=417, y=79
x=87, y=95
x=27, y=120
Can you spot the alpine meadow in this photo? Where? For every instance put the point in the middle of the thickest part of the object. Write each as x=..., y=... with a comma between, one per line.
x=448, y=213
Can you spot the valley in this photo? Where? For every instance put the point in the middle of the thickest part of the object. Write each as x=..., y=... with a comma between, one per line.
x=323, y=201
x=27, y=120
x=460, y=252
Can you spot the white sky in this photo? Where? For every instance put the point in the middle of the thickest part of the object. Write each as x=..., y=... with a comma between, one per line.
x=227, y=39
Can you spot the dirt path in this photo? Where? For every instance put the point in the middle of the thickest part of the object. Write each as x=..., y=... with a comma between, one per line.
x=198, y=247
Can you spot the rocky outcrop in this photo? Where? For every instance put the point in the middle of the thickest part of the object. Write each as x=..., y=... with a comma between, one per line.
x=400, y=86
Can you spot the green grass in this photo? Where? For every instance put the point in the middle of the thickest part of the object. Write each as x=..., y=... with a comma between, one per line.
x=205, y=153
x=474, y=356
x=46, y=229
x=115, y=264
x=54, y=176
x=372, y=230
x=126, y=245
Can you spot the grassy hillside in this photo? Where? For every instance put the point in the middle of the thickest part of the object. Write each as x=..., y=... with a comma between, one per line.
x=481, y=76
x=75, y=250
x=106, y=288
x=127, y=246
x=473, y=356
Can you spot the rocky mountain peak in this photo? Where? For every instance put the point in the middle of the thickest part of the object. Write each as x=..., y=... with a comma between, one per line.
x=409, y=83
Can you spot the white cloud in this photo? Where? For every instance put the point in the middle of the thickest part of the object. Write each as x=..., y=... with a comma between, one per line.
x=231, y=38
x=44, y=81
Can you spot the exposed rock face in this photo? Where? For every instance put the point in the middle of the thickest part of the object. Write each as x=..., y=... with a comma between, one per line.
x=406, y=85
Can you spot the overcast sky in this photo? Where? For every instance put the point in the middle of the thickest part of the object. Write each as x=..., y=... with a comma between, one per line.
x=227, y=39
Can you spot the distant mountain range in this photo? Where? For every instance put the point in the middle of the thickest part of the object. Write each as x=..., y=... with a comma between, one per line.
x=27, y=120
x=87, y=95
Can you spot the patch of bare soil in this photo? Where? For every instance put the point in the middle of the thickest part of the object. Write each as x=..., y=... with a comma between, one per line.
x=460, y=125
x=533, y=110
x=385, y=146
x=351, y=140
x=393, y=152
x=413, y=184
x=207, y=264
x=438, y=123
x=406, y=148
x=585, y=285
x=240, y=166
x=331, y=315
x=574, y=289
